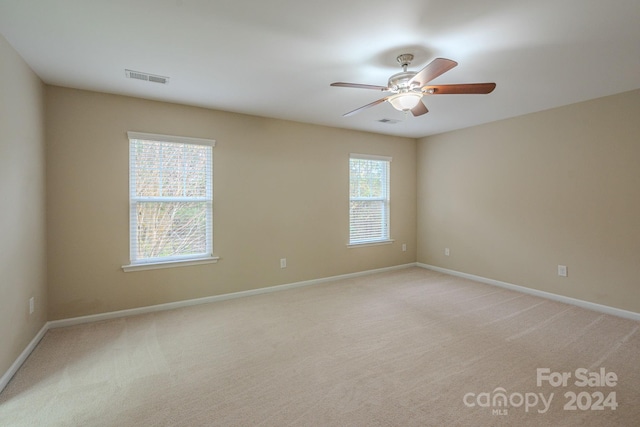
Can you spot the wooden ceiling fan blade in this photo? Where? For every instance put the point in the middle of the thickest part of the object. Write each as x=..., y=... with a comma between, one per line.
x=460, y=89
x=434, y=69
x=419, y=109
x=359, y=86
x=364, y=107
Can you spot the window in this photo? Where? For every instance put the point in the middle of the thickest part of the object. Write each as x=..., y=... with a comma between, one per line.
x=368, y=199
x=171, y=200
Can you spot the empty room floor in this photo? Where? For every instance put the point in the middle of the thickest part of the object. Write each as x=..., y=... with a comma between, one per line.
x=409, y=347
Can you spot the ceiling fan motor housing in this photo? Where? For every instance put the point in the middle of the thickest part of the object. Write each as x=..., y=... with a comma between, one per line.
x=400, y=82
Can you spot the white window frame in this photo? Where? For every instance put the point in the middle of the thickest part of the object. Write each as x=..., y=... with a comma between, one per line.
x=178, y=260
x=386, y=199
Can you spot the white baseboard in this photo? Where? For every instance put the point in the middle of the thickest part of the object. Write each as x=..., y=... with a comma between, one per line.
x=205, y=300
x=23, y=356
x=548, y=295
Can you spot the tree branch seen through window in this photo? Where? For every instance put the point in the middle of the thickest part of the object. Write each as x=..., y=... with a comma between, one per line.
x=171, y=199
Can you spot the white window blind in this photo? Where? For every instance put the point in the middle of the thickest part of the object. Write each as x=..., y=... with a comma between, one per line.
x=171, y=198
x=368, y=199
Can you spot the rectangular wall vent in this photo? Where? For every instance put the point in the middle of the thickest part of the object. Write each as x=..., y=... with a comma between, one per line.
x=146, y=77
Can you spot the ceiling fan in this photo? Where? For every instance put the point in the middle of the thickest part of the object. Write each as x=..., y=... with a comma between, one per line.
x=408, y=87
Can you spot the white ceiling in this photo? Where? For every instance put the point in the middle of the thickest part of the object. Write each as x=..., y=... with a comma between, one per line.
x=276, y=58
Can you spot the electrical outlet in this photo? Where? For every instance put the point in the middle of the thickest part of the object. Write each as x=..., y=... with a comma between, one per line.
x=447, y=252
x=31, y=305
x=404, y=247
x=562, y=270
x=283, y=263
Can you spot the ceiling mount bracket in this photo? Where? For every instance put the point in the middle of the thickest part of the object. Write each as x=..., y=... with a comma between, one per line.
x=404, y=60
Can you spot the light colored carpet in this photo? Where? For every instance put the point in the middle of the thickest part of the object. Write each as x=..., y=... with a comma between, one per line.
x=401, y=348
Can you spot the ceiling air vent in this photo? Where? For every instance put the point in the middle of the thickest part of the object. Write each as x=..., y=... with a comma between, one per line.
x=388, y=121
x=146, y=77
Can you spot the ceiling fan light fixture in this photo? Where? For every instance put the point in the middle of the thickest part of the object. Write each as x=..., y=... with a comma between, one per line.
x=405, y=101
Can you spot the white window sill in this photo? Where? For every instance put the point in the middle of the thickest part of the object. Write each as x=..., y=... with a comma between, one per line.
x=169, y=264
x=376, y=243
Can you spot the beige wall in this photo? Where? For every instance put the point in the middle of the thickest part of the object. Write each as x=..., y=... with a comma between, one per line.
x=280, y=190
x=515, y=198
x=22, y=205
